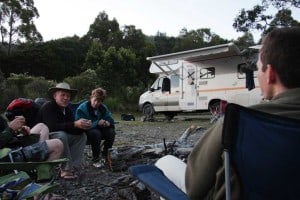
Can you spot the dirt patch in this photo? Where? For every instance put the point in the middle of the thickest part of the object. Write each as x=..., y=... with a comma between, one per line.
x=115, y=184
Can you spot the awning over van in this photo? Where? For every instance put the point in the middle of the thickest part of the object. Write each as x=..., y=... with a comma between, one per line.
x=171, y=62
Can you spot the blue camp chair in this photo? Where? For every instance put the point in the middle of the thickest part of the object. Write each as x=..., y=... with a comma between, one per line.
x=264, y=151
x=154, y=179
x=262, y=148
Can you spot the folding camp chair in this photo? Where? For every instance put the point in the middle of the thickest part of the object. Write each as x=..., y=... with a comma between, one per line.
x=154, y=179
x=264, y=151
x=43, y=170
x=217, y=110
x=19, y=185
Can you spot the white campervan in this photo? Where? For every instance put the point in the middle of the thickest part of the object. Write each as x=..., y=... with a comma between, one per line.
x=197, y=80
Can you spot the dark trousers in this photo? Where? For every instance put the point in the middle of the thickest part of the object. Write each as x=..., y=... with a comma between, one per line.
x=95, y=136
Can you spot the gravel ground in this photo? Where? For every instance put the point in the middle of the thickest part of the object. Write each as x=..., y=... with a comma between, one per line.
x=103, y=183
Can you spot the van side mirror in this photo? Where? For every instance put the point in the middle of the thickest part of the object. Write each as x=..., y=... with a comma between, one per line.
x=151, y=89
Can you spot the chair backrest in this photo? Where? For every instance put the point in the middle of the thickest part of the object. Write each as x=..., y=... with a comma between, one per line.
x=264, y=151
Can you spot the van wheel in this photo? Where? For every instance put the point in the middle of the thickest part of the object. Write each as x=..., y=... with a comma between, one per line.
x=148, y=112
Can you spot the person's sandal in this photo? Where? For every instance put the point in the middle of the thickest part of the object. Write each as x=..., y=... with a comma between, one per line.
x=68, y=175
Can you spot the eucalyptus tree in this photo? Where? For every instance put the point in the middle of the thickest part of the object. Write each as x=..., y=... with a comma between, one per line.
x=117, y=69
x=104, y=30
x=199, y=38
x=16, y=22
x=258, y=18
x=139, y=44
x=163, y=43
x=94, y=56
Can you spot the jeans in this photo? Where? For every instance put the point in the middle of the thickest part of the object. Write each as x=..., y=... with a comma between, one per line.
x=73, y=148
x=95, y=136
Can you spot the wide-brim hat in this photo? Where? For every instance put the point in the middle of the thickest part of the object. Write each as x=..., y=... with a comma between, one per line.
x=62, y=86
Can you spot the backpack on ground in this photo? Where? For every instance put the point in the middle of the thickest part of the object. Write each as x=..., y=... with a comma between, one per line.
x=22, y=106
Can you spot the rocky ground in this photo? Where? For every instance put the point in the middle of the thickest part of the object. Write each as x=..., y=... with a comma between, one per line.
x=114, y=182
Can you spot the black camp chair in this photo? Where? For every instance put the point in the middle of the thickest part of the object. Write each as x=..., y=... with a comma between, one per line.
x=261, y=147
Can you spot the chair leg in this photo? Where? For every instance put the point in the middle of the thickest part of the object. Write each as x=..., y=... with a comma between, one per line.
x=227, y=175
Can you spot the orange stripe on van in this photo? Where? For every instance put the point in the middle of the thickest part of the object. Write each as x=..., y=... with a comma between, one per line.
x=223, y=89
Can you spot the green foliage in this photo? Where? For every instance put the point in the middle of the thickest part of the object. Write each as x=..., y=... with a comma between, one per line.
x=105, y=57
x=283, y=18
x=113, y=103
x=163, y=44
x=106, y=31
x=16, y=22
x=245, y=41
x=84, y=83
x=11, y=92
x=19, y=81
x=94, y=56
x=63, y=58
x=38, y=87
x=23, y=86
x=55, y=59
x=256, y=18
x=197, y=39
x=117, y=69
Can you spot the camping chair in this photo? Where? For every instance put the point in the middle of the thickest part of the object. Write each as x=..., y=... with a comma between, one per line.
x=217, y=110
x=20, y=186
x=154, y=179
x=17, y=184
x=264, y=151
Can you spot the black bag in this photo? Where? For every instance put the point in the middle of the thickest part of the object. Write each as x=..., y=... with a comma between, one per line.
x=127, y=117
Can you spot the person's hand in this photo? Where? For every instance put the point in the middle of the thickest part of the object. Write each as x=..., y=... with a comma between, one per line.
x=83, y=124
x=25, y=130
x=103, y=123
x=106, y=124
x=17, y=123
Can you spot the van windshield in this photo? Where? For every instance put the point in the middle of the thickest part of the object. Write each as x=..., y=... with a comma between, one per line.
x=157, y=84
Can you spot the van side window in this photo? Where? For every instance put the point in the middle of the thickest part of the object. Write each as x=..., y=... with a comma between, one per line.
x=207, y=73
x=156, y=85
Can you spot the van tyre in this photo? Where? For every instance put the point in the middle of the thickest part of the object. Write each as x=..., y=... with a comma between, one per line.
x=148, y=112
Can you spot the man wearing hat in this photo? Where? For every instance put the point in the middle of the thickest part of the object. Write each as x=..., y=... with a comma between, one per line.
x=60, y=120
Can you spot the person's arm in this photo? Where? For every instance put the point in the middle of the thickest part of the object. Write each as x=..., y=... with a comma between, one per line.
x=83, y=113
x=8, y=130
x=6, y=136
x=204, y=162
x=107, y=116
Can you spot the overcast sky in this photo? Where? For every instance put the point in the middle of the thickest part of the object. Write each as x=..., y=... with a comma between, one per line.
x=62, y=18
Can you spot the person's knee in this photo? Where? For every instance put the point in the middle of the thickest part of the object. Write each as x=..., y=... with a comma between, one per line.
x=43, y=127
x=55, y=146
x=58, y=145
x=166, y=160
x=59, y=135
x=110, y=135
x=94, y=135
